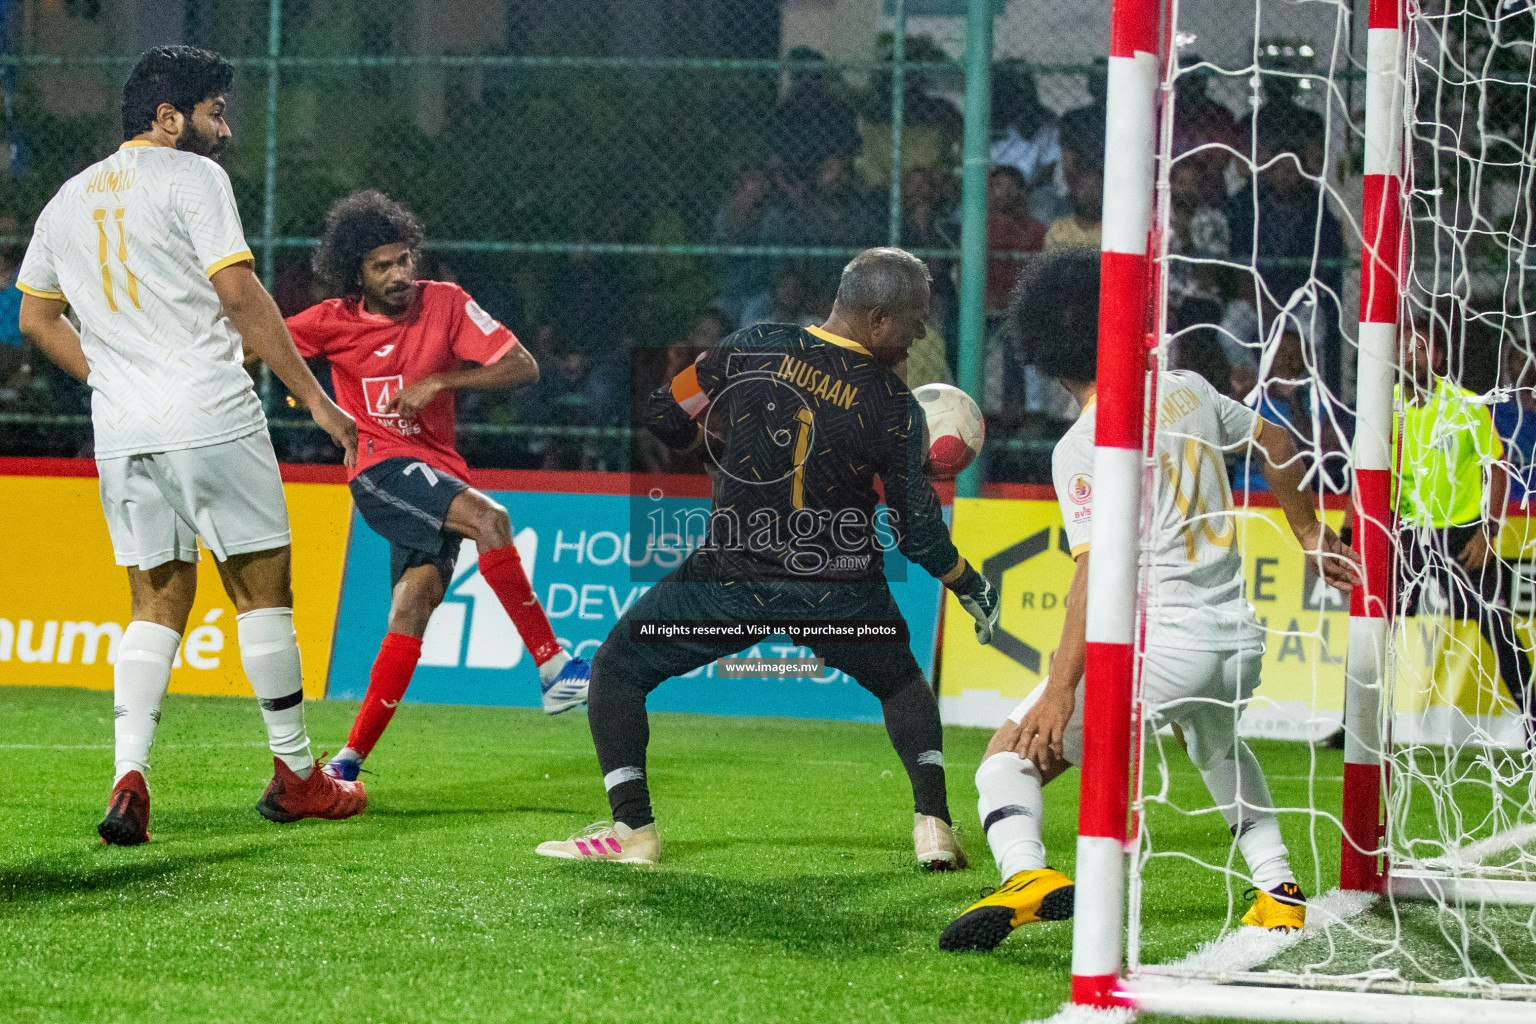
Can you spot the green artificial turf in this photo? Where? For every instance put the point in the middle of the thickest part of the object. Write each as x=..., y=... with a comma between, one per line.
x=788, y=891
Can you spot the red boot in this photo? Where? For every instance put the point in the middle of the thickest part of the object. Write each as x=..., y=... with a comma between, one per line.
x=127, y=820
x=290, y=798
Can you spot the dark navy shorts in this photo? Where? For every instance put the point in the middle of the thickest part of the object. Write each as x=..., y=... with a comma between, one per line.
x=405, y=501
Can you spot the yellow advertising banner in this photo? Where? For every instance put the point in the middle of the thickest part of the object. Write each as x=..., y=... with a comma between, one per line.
x=64, y=603
x=1445, y=674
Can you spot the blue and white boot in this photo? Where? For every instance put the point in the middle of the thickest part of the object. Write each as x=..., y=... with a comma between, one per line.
x=564, y=680
x=344, y=766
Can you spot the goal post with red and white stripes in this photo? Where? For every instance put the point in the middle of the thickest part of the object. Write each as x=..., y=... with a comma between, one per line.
x=1115, y=539
x=1371, y=603
x=1376, y=792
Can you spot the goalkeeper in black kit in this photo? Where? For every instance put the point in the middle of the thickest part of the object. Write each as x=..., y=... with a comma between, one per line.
x=797, y=423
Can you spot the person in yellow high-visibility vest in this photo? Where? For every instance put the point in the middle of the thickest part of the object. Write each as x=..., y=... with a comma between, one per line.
x=1450, y=493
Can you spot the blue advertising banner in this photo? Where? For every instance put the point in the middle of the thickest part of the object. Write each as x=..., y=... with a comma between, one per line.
x=590, y=557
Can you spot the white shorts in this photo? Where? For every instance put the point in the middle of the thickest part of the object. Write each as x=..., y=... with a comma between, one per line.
x=230, y=494
x=1199, y=691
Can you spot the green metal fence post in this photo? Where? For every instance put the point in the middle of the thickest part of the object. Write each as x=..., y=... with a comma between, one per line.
x=973, y=211
x=898, y=108
x=269, y=199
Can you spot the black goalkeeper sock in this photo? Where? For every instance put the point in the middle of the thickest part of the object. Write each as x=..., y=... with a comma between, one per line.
x=912, y=722
x=621, y=731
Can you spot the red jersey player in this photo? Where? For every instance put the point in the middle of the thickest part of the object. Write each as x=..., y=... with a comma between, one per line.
x=398, y=348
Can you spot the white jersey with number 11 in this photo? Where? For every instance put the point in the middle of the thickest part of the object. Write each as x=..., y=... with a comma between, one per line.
x=131, y=243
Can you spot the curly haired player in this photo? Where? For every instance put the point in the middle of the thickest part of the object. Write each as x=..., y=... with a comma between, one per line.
x=398, y=349
x=1203, y=646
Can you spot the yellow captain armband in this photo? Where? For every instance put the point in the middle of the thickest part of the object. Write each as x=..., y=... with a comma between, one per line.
x=955, y=573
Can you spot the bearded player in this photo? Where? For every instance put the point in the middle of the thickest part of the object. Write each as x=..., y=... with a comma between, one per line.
x=1203, y=646
x=398, y=349
x=147, y=248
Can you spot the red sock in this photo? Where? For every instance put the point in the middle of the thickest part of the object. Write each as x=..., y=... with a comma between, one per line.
x=502, y=568
x=391, y=674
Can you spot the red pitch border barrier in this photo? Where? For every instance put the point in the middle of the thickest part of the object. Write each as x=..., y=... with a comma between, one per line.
x=546, y=480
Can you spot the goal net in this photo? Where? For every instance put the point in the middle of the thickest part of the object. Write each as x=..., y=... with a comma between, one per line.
x=1340, y=227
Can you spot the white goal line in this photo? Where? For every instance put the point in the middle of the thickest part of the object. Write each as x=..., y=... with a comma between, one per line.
x=1223, y=979
x=1235, y=958
x=1244, y=949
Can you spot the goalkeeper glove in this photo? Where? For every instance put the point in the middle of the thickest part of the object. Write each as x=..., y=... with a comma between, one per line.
x=980, y=598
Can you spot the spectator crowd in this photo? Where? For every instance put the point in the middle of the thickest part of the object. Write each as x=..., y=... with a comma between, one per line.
x=1253, y=277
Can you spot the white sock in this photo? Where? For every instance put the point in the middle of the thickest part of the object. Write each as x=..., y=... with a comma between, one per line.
x=1269, y=862
x=269, y=650
x=139, y=679
x=553, y=666
x=1238, y=786
x=1010, y=807
x=348, y=754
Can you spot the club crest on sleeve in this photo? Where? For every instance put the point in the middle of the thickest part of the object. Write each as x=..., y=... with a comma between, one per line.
x=482, y=319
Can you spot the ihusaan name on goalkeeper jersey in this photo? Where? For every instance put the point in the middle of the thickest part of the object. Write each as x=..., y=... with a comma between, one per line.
x=797, y=423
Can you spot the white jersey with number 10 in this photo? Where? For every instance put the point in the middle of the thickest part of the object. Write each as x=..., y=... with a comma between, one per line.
x=1195, y=594
x=131, y=243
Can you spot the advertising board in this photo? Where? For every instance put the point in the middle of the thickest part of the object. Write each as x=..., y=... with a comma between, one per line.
x=64, y=603
x=590, y=557
x=1445, y=672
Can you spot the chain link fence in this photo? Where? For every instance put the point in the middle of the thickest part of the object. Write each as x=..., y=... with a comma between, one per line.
x=623, y=182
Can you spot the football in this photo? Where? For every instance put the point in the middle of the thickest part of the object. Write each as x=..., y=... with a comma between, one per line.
x=954, y=427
